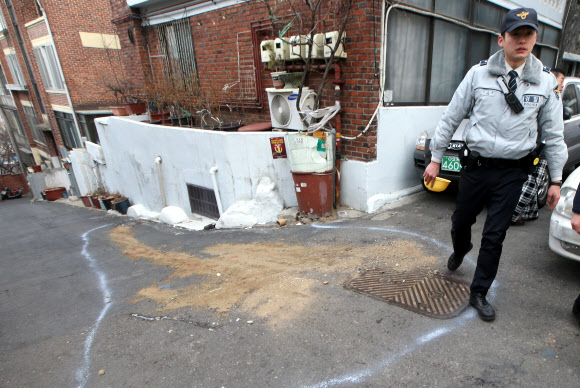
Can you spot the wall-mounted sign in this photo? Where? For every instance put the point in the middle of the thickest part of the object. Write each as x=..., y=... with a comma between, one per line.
x=278, y=147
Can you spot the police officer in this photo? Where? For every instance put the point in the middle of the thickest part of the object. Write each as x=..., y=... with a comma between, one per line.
x=508, y=100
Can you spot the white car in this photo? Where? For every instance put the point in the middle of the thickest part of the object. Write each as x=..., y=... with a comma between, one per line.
x=563, y=239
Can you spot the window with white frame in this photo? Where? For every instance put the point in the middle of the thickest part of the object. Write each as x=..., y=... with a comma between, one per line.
x=424, y=68
x=14, y=122
x=48, y=66
x=15, y=70
x=3, y=82
x=2, y=22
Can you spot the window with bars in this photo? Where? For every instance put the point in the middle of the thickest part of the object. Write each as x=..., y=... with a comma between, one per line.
x=423, y=68
x=48, y=66
x=176, y=49
x=66, y=126
x=15, y=70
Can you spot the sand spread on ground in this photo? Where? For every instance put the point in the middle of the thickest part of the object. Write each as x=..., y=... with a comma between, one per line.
x=275, y=281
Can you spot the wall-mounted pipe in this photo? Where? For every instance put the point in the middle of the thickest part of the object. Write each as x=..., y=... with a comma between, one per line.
x=158, y=161
x=212, y=172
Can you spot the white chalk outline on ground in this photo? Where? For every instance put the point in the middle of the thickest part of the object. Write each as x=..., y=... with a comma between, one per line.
x=359, y=376
x=82, y=373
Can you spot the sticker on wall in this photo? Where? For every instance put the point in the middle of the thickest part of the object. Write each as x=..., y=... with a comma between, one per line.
x=278, y=147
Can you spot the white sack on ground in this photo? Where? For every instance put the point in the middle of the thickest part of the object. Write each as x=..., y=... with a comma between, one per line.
x=265, y=207
x=173, y=215
x=140, y=211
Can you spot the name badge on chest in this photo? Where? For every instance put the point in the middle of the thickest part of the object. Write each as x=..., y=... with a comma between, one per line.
x=531, y=101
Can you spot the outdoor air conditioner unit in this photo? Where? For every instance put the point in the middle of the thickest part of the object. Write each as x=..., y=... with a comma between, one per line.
x=283, y=110
x=331, y=40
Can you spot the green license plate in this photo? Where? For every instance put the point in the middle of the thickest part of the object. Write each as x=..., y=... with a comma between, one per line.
x=450, y=163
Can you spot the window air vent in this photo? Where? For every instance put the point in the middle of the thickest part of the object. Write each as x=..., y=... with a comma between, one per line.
x=202, y=201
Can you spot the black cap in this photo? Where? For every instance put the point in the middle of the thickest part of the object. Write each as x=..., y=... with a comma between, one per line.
x=519, y=17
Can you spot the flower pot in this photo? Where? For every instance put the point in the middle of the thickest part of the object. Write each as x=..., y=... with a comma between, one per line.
x=121, y=204
x=159, y=115
x=276, y=80
x=135, y=108
x=107, y=201
x=86, y=201
x=95, y=201
x=54, y=193
x=36, y=168
x=119, y=110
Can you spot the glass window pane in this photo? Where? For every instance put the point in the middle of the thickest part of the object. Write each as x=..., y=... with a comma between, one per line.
x=408, y=40
x=548, y=56
x=551, y=35
x=458, y=9
x=54, y=69
x=569, y=99
x=38, y=53
x=480, y=44
x=487, y=15
x=449, y=61
x=423, y=4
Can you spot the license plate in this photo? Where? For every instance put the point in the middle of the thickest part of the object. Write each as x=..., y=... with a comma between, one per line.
x=450, y=163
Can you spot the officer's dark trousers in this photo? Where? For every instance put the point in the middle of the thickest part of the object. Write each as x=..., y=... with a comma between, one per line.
x=499, y=190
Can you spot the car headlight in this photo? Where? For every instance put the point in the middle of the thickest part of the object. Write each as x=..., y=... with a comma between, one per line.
x=566, y=202
x=421, y=140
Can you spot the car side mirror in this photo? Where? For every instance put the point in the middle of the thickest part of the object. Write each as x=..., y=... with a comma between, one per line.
x=567, y=113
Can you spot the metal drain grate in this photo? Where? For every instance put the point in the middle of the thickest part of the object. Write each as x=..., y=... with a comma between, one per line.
x=418, y=291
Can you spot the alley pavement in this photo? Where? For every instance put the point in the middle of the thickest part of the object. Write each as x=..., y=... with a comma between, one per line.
x=89, y=299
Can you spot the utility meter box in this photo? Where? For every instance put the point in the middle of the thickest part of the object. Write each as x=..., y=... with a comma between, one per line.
x=298, y=47
x=331, y=41
x=267, y=50
x=317, y=47
x=281, y=49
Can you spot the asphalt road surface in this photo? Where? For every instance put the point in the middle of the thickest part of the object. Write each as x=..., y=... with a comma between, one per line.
x=89, y=299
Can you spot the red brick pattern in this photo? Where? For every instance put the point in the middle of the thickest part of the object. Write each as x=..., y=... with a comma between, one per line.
x=15, y=182
x=58, y=99
x=37, y=30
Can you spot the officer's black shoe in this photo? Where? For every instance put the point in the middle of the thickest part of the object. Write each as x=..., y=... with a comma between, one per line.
x=484, y=309
x=455, y=260
x=576, y=309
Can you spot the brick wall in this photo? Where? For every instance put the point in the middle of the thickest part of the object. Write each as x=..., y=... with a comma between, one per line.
x=217, y=35
x=37, y=30
x=14, y=182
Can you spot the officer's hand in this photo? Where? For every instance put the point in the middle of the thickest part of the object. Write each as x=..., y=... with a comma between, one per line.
x=553, y=196
x=576, y=222
x=431, y=173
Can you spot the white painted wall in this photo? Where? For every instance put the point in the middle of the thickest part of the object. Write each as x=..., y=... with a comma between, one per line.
x=368, y=186
x=187, y=154
x=85, y=170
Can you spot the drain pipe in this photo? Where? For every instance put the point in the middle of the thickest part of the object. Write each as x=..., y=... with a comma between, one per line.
x=161, y=187
x=212, y=172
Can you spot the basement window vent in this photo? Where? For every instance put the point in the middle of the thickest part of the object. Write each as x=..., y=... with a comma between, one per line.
x=202, y=201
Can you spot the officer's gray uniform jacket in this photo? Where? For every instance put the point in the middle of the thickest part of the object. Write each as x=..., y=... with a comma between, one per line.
x=494, y=130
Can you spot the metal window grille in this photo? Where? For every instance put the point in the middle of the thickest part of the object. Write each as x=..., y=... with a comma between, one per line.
x=15, y=70
x=202, y=201
x=176, y=46
x=246, y=69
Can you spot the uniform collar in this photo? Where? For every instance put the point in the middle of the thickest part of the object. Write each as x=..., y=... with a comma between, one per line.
x=518, y=69
x=532, y=71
